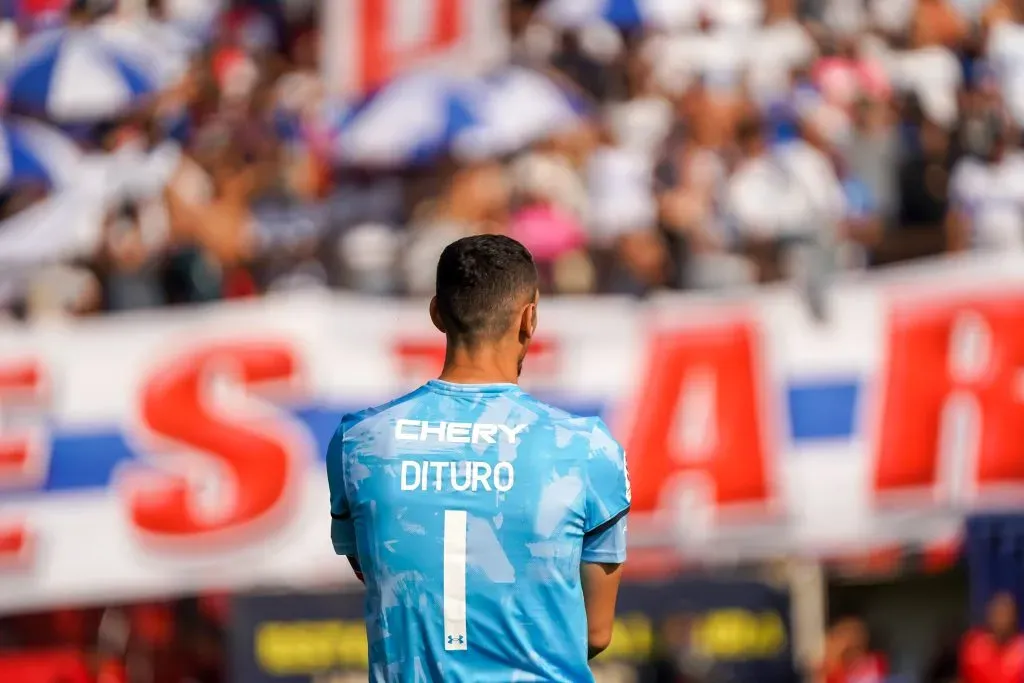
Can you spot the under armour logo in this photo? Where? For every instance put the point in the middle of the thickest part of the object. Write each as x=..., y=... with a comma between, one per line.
x=461, y=640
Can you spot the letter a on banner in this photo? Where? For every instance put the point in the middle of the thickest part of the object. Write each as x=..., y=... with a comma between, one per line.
x=954, y=398
x=698, y=413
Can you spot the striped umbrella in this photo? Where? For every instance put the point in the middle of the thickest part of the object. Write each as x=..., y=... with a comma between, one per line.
x=412, y=120
x=515, y=107
x=33, y=153
x=77, y=75
x=663, y=14
x=418, y=118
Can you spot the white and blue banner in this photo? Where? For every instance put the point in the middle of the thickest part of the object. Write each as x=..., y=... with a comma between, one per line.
x=134, y=450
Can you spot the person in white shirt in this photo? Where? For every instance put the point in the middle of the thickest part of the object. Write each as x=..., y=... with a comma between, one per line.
x=987, y=194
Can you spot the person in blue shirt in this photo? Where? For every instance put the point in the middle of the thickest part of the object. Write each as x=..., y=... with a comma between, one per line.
x=488, y=527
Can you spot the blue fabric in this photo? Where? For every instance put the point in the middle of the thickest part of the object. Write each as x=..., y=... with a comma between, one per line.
x=460, y=104
x=533, y=491
x=35, y=153
x=28, y=83
x=995, y=559
x=623, y=13
x=451, y=98
x=26, y=165
x=860, y=200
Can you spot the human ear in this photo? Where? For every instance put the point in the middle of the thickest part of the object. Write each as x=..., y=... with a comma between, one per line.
x=528, y=322
x=435, y=317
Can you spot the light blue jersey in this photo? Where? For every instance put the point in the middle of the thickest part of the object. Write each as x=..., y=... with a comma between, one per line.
x=470, y=508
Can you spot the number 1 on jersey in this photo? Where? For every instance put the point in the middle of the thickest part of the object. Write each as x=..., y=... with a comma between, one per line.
x=454, y=607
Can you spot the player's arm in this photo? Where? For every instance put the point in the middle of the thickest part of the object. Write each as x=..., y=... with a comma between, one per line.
x=600, y=591
x=343, y=533
x=604, y=537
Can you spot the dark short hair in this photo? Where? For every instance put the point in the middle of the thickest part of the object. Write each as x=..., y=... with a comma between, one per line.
x=480, y=281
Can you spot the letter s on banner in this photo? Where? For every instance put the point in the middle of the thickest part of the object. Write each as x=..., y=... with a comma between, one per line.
x=966, y=354
x=23, y=455
x=255, y=453
x=698, y=412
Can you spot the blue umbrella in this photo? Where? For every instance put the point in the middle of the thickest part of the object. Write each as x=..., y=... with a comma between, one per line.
x=663, y=14
x=76, y=75
x=146, y=38
x=418, y=118
x=33, y=153
x=517, y=106
x=622, y=13
x=412, y=120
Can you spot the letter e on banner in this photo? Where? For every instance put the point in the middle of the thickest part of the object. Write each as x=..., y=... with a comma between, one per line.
x=23, y=451
x=953, y=412
x=698, y=413
x=253, y=451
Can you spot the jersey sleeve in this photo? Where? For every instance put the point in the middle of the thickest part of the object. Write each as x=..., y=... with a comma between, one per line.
x=343, y=533
x=608, y=499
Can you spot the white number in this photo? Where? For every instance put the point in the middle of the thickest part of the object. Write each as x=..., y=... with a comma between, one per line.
x=454, y=606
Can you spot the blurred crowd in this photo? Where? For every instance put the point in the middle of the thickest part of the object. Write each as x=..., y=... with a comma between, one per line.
x=742, y=142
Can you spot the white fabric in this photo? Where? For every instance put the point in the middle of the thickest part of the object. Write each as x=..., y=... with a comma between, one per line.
x=59, y=154
x=661, y=14
x=893, y=15
x=991, y=197
x=85, y=86
x=521, y=108
x=66, y=225
x=791, y=193
x=1006, y=53
x=160, y=46
x=934, y=75
x=774, y=52
x=401, y=117
x=621, y=193
x=719, y=57
x=551, y=177
x=642, y=124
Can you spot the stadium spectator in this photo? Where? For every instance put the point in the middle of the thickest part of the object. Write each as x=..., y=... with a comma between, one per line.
x=994, y=653
x=848, y=658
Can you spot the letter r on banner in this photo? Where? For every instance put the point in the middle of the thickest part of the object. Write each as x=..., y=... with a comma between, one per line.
x=954, y=397
x=698, y=413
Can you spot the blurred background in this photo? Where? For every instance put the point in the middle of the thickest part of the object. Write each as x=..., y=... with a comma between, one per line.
x=782, y=246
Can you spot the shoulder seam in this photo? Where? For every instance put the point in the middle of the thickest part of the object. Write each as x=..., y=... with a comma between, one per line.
x=523, y=398
x=361, y=416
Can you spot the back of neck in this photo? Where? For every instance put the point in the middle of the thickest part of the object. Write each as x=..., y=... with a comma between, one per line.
x=482, y=365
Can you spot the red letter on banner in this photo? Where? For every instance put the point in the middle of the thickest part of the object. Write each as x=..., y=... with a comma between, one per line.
x=698, y=413
x=382, y=60
x=254, y=453
x=968, y=349
x=22, y=456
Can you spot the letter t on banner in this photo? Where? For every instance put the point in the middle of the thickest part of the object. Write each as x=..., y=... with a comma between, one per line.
x=698, y=413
